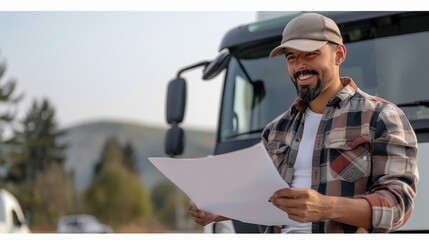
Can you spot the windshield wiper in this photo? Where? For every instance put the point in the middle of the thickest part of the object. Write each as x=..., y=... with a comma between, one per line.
x=415, y=104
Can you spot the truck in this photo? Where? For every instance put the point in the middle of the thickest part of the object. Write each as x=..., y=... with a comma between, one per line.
x=386, y=57
x=12, y=219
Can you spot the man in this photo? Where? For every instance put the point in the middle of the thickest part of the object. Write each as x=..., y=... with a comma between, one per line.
x=350, y=158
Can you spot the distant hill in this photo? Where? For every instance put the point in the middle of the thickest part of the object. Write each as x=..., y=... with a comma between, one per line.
x=85, y=143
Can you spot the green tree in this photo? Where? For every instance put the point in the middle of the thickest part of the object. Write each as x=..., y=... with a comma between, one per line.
x=37, y=166
x=111, y=152
x=130, y=157
x=8, y=103
x=163, y=200
x=37, y=146
x=53, y=195
x=116, y=195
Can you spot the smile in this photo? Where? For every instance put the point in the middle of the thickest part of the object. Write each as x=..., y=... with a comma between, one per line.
x=305, y=79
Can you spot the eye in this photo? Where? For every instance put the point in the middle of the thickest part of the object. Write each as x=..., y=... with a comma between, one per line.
x=310, y=54
x=290, y=58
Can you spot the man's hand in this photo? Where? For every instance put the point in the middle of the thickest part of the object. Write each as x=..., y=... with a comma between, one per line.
x=307, y=205
x=203, y=218
x=302, y=205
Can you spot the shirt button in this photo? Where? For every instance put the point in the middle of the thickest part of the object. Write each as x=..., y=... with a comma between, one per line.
x=290, y=165
x=349, y=142
x=297, y=140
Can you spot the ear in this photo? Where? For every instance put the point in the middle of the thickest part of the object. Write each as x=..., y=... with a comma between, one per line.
x=340, y=54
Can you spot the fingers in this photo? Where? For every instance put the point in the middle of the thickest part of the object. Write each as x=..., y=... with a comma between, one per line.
x=201, y=217
x=285, y=204
x=289, y=200
x=294, y=207
x=302, y=205
x=289, y=193
x=192, y=206
x=197, y=215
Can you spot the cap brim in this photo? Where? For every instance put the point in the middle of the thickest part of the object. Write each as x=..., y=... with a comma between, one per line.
x=303, y=45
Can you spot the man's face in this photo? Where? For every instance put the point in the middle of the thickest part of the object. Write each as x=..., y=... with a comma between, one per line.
x=311, y=72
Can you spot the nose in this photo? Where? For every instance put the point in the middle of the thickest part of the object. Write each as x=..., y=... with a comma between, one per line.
x=300, y=64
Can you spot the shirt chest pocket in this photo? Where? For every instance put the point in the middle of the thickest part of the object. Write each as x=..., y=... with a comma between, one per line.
x=348, y=159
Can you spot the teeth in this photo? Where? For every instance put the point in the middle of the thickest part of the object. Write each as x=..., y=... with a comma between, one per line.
x=303, y=77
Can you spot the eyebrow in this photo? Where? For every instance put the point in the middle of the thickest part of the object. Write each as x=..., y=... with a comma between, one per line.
x=288, y=53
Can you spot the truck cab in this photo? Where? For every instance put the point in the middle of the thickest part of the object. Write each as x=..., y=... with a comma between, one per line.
x=387, y=53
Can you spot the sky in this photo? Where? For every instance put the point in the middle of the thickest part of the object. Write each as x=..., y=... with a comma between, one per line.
x=99, y=60
x=114, y=65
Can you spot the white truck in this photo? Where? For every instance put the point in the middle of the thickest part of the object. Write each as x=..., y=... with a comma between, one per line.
x=388, y=53
x=12, y=219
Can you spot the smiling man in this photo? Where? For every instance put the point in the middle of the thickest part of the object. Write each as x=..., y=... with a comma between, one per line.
x=349, y=158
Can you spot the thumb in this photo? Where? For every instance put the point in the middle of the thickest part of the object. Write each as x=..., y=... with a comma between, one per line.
x=210, y=217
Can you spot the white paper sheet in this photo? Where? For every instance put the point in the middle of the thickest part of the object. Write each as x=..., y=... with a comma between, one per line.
x=236, y=185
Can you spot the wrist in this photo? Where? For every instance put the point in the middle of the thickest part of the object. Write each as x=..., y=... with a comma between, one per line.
x=355, y=212
x=330, y=206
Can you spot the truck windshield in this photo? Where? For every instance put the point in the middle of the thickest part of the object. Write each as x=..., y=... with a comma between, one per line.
x=258, y=89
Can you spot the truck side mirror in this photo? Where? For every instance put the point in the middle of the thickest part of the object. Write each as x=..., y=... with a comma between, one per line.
x=174, y=141
x=216, y=66
x=176, y=100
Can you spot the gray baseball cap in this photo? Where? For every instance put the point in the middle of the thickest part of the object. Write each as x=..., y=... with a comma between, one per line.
x=308, y=32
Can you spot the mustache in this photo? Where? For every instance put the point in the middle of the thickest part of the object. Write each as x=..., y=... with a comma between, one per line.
x=305, y=72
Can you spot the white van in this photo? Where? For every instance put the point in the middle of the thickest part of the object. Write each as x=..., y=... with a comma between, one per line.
x=12, y=218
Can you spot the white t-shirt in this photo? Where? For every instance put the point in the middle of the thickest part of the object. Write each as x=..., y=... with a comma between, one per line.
x=304, y=162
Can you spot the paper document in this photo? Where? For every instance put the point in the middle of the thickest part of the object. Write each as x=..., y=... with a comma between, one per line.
x=236, y=185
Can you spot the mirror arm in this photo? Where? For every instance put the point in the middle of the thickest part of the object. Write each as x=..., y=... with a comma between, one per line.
x=245, y=72
x=204, y=63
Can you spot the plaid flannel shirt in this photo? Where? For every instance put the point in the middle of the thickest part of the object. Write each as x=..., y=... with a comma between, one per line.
x=365, y=148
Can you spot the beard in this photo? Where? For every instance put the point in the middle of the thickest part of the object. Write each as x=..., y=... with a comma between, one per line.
x=304, y=92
